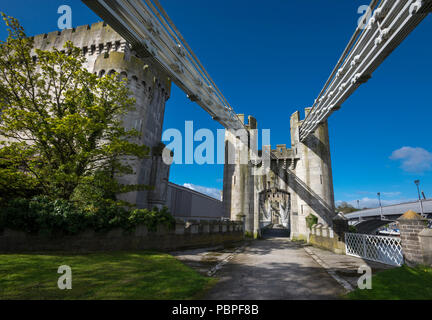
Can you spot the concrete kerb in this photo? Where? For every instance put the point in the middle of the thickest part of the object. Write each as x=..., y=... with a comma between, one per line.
x=219, y=266
x=347, y=286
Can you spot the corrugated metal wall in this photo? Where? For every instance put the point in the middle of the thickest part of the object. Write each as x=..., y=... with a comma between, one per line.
x=187, y=203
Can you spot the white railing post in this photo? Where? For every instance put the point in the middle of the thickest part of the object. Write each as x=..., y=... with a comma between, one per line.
x=364, y=245
x=346, y=243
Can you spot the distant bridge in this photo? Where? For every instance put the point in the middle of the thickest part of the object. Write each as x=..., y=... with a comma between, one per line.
x=368, y=220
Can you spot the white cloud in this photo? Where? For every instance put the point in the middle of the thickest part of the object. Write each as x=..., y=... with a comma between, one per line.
x=370, y=193
x=367, y=202
x=391, y=194
x=413, y=159
x=212, y=192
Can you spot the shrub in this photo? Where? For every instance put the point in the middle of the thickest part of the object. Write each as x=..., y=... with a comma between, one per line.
x=41, y=215
x=151, y=219
x=311, y=220
x=352, y=229
x=104, y=216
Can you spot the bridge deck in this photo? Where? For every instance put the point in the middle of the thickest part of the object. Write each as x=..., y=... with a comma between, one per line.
x=393, y=210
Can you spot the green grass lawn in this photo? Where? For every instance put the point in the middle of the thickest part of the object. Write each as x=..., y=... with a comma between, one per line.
x=127, y=275
x=402, y=283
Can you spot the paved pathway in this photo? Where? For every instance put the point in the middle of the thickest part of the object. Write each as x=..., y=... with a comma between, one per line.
x=274, y=268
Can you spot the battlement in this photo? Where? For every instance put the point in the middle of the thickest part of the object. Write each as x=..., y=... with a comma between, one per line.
x=282, y=152
x=106, y=52
x=252, y=122
x=296, y=115
x=93, y=39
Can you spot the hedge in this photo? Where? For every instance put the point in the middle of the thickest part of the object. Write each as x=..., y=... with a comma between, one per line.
x=41, y=215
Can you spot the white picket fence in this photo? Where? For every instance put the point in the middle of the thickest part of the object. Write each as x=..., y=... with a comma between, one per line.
x=382, y=249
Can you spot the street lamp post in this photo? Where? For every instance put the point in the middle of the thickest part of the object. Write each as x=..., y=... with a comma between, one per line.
x=379, y=200
x=417, y=183
x=358, y=207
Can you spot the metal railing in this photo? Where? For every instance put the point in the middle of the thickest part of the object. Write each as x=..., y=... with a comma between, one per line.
x=387, y=250
x=391, y=22
x=148, y=28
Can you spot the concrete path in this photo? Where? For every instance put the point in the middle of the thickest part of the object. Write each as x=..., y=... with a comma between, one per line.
x=274, y=268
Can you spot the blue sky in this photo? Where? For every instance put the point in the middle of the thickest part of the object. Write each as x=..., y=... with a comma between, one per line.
x=272, y=58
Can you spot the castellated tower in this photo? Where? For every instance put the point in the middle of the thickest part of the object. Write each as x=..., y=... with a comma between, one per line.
x=238, y=187
x=312, y=180
x=298, y=183
x=107, y=52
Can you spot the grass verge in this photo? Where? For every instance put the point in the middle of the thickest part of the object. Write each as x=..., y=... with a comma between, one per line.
x=120, y=275
x=403, y=283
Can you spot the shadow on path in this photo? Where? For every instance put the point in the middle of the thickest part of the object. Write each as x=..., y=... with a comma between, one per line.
x=276, y=231
x=274, y=268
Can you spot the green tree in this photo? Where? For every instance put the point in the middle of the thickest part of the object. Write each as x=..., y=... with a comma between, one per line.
x=345, y=207
x=61, y=126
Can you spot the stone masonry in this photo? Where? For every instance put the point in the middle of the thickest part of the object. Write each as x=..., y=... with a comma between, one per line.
x=410, y=225
x=189, y=234
x=299, y=182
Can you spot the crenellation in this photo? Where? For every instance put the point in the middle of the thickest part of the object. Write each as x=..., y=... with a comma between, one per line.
x=97, y=35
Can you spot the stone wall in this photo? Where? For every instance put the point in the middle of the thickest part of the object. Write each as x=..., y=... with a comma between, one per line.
x=189, y=234
x=425, y=237
x=324, y=237
x=416, y=245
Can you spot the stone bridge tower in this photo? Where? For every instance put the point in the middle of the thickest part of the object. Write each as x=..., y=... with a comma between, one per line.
x=311, y=178
x=298, y=183
x=238, y=194
x=107, y=52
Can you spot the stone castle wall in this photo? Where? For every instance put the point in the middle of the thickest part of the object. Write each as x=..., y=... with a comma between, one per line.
x=107, y=52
